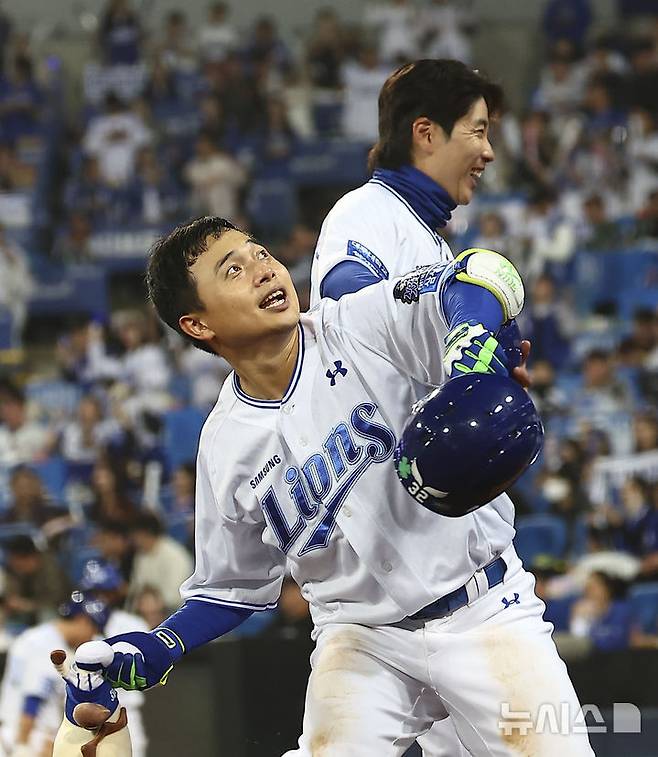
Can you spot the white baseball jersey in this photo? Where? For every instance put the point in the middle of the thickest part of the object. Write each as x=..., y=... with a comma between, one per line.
x=29, y=672
x=375, y=226
x=311, y=478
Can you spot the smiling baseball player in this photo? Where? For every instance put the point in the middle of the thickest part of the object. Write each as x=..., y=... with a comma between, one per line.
x=433, y=147
x=416, y=615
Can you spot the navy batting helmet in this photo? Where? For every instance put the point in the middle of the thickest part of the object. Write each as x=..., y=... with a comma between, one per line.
x=100, y=575
x=466, y=442
x=86, y=604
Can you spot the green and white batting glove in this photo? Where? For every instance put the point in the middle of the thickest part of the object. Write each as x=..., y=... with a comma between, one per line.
x=471, y=348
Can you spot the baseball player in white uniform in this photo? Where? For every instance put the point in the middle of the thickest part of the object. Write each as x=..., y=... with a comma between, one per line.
x=433, y=147
x=32, y=693
x=295, y=464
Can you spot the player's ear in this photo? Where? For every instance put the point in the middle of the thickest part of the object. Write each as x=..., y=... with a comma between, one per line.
x=426, y=135
x=195, y=327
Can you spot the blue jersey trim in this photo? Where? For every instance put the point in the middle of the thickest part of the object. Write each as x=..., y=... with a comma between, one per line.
x=274, y=404
x=436, y=237
x=231, y=603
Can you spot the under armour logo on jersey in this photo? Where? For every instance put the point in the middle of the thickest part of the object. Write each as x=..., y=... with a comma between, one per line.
x=339, y=370
x=508, y=602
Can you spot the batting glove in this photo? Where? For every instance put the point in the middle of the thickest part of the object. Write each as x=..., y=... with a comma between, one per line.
x=142, y=660
x=470, y=348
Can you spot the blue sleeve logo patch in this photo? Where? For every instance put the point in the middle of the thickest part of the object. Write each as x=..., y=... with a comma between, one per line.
x=368, y=258
x=422, y=280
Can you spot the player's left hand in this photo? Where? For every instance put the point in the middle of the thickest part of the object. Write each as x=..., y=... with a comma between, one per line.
x=520, y=373
x=516, y=351
x=471, y=348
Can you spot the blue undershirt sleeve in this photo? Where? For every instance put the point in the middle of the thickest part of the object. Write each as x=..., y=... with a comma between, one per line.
x=346, y=277
x=463, y=302
x=31, y=706
x=199, y=622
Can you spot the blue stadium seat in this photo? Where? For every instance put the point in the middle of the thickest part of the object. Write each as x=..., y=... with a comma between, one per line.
x=540, y=535
x=272, y=203
x=644, y=603
x=53, y=474
x=558, y=612
x=181, y=435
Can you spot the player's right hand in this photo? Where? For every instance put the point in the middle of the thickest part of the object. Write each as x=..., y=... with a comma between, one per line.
x=142, y=660
x=471, y=348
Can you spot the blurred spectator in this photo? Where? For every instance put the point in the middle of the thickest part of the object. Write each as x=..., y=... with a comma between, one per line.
x=279, y=137
x=215, y=179
x=71, y=354
x=598, y=232
x=549, y=236
x=73, y=245
x=446, y=29
x=5, y=36
x=16, y=285
x=213, y=120
x=21, y=440
x=20, y=101
x=645, y=432
x=292, y=619
x=603, y=400
x=297, y=253
x=88, y=193
x=84, y=438
x=537, y=157
x=601, y=111
x=566, y=20
x=265, y=46
x=493, y=234
x=560, y=89
x=112, y=540
x=15, y=173
x=114, y=138
x=395, y=22
x=603, y=614
x=160, y=563
x=362, y=79
x=204, y=372
x=641, y=158
x=601, y=58
x=149, y=605
x=180, y=505
x=645, y=330
x=217, y=38
x=120, y=34
x=35, y=585
x=141, y=373
x=325, y=49
x=176, y=50
x=111, y=493
x=647, y=218
x=642, y=81
x=30, y=504
x=548, y=398
x=548, y=323
x=155, y=197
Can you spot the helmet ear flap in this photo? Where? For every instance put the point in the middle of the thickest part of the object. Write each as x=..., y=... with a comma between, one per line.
x=466, y=442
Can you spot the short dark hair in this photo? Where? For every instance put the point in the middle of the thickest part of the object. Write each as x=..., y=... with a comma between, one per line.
x=171, y=287
x=149, y=523
x=440, y=89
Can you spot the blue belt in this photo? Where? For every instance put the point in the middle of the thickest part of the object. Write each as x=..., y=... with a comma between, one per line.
x=494, y=572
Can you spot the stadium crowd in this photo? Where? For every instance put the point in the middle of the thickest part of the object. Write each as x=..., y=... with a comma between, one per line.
x=98, y=432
